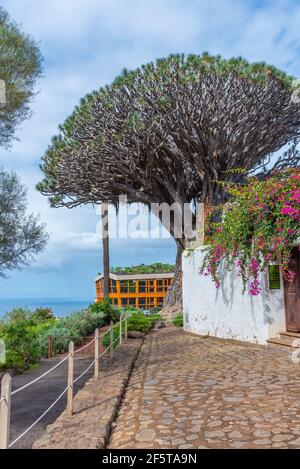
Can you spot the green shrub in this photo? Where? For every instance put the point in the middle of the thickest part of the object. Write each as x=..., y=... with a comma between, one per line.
x=25, y=314
x=43, y=314
x=95, y=320
x=18, y=315
x=83, y=323
x=43, y=327
x=116, y=335
x=78, y=324
x=22, y=345
x=153, y=318
x=137, y=321
x=155, y=310
x=60, y=340
x=21, y=330
x=178, y=320
x=26, y=333
x=105, y=307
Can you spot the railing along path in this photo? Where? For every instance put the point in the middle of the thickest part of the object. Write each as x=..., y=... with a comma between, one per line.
x=7, y=394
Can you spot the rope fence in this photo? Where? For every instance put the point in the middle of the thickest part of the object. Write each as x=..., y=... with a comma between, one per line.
x=37, y=420
x=41, y=376
x=84, y=347
x=84, y=372
x=6, y=393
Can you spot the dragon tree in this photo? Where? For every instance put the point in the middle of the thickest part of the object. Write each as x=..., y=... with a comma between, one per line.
x=173, y=131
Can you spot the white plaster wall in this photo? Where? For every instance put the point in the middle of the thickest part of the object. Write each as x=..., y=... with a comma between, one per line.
x=226, y=312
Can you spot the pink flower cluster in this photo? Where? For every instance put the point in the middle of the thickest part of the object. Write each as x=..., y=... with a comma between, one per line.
x=254, y=287
x=258, y=228
x=214, y=261
x=292, y=207
x=254, y=268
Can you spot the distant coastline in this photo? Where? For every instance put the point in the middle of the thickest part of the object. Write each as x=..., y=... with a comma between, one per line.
x=60, y=306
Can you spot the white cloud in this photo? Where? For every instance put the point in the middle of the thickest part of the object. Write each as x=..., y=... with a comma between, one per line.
x=71, y=20
x=63, y=246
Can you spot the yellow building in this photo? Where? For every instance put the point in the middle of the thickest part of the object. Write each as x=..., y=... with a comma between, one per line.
x=139, y=290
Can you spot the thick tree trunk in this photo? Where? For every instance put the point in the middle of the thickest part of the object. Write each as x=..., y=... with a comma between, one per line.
x=174, y=294
x=105, y=249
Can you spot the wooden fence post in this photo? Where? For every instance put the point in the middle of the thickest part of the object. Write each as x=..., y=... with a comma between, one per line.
x=126, y=329
x=70, y=378
x=5, y=411
x=111, y=339
x=120, y=336
x=96, y=353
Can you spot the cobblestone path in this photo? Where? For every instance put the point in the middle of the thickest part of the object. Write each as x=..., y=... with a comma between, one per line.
x=193, y=392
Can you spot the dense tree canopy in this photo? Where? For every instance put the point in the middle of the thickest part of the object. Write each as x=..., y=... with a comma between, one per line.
x=171, y=131
x=181, y=122
x=20, y=66
x=21, y=235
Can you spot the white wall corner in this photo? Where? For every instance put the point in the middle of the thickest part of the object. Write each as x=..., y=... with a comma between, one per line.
x=226, y=312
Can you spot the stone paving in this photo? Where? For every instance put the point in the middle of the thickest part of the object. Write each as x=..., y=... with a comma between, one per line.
x=192, y=392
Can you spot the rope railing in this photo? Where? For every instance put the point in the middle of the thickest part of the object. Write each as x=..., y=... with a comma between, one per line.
x=41, y=376
x=6, y=394
x=38, y=419
x=104, y=333
x=103, y=353
x=85, y=346
x=90, y=366
x=91, y=342
x=85, y=371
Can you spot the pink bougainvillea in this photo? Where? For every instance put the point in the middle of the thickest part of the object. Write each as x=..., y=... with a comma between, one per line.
x=259, y=226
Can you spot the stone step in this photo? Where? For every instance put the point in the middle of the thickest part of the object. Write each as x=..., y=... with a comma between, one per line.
x=282, y=342
x=284, y=334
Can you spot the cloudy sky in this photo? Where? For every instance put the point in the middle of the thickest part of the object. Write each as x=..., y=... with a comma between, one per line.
x=85, y=44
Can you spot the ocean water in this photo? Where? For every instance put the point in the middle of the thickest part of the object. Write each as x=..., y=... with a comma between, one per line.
x=60, y=306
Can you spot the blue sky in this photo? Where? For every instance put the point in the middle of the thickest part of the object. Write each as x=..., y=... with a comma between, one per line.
x=85, y=44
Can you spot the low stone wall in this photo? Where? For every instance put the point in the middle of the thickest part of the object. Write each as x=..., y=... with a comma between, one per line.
x=95, y=405
x=226, y=312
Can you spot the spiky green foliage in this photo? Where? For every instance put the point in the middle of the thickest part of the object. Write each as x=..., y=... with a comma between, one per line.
x=171, y=131
x=174, y=126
